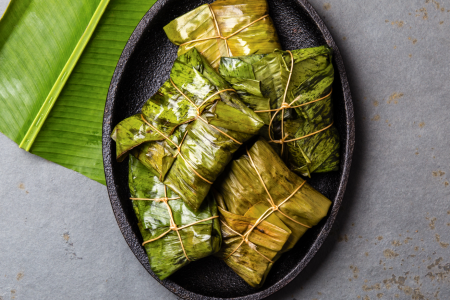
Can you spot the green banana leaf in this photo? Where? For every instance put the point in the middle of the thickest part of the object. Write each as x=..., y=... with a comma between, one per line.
x=241, y=193
x=311, y=78
x=206, y=145
x=251, y=260
x=249, y=90
x=166, y=254
x=231, y=16
x=57, y=58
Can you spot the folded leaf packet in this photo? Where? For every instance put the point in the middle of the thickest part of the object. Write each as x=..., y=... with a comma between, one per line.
x=257, y=189
x=300, y=116
x=250, y=246
x=225, y=28
x=188, y=131
x=173, y=234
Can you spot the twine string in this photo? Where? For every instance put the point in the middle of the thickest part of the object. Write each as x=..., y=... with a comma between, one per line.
x=173, y=226
x=219, y=34
x=199, y=112
x=237, y=233
x=273, y=208
x=178, y=149
x=218, y=29
x=284, y=106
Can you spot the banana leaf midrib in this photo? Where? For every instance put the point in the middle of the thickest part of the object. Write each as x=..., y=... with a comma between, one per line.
x=37, y=38
x=53, y=94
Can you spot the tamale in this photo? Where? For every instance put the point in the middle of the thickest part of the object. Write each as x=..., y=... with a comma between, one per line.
x=298, y=84
x=164, y=221
x=259, y=185
x=225, y=28
x=188, y=131
x=250, y=247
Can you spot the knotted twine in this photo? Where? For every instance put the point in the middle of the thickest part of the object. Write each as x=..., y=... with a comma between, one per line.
x=285, y=105
x=265, y=215
x=219, y=35
x=199, y=112
x=173, y=225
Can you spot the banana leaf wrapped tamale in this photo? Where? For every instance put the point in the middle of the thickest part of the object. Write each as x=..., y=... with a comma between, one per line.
x=188, y=131
x=173, y=234
x=258, y=185
x=225, y=28
x=300, y=117
x=253, y=258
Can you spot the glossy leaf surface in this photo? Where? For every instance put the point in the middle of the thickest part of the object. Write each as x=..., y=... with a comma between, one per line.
x=268, y=238
x=311, y=79
x=166, y=254
x=206, y=145
x=231, y=16
x=241, y=192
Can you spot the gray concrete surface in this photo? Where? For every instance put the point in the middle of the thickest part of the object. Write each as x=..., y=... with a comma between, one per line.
x=59, y=238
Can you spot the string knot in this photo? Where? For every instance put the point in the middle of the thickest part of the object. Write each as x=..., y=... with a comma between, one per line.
x=283, y=139
x=173, y=225
x=265, y=215
x=286, y=105
x=219, y=36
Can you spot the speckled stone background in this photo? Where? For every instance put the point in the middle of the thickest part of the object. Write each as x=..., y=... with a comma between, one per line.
x=59, y=238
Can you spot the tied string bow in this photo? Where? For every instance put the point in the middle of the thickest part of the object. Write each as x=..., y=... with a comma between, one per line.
x=285, y=105
x=199, y=112
x=219, y=35
x=273, y=208
x=173, y=226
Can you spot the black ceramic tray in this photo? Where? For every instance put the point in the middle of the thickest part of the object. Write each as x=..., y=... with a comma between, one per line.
x=143, y=67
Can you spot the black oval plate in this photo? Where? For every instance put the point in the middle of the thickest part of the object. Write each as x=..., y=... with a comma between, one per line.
x=143, y=67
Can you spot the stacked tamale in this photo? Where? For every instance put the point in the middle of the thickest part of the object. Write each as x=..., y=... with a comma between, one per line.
x=214, y=152
x=188, y=131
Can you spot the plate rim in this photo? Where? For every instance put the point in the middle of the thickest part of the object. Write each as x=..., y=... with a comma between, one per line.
x=119, y=214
